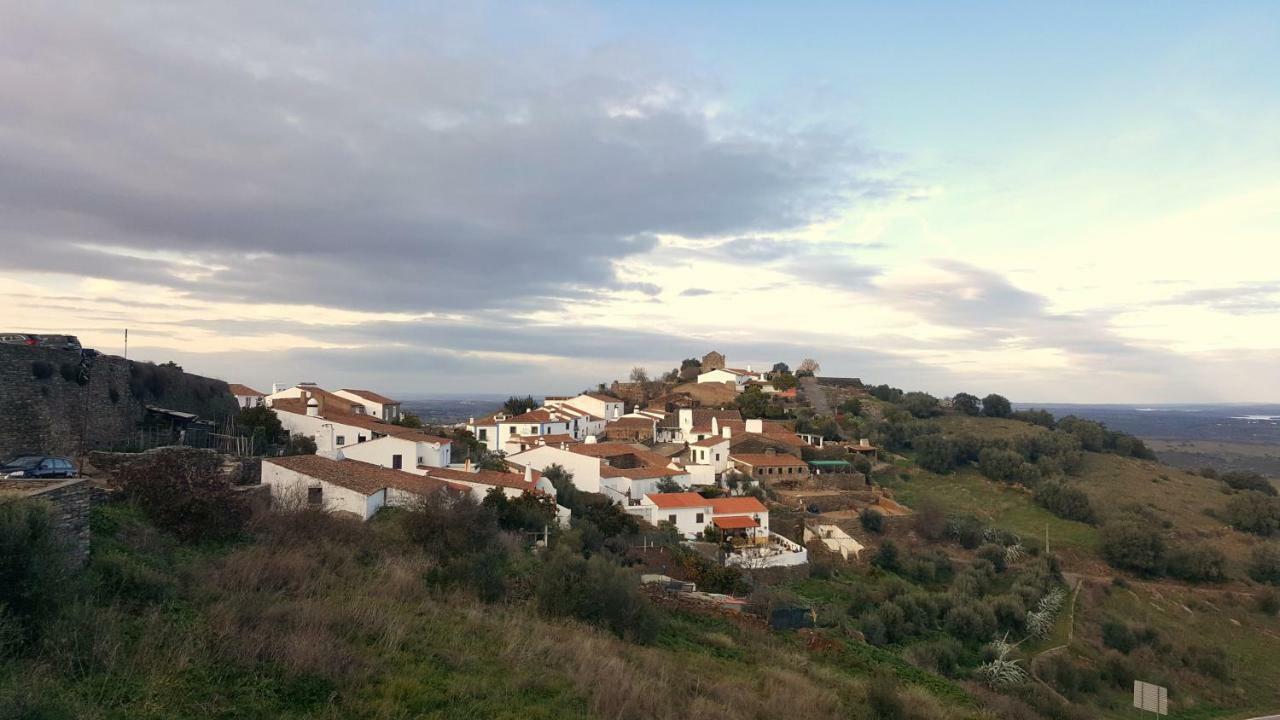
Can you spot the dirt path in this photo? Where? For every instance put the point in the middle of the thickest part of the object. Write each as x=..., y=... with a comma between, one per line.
x=818, y=400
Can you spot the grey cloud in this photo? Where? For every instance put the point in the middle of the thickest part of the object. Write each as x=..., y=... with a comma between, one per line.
x=694, y=292
x=1242, y=299
x=410, y=161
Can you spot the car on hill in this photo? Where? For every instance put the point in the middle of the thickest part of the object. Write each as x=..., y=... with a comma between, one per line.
x=38, y=467
x=58, y=342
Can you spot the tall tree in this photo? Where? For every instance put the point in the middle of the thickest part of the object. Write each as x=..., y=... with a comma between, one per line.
x=518, y=405
x=966, y=404
x=808, y=368
x=995, y=405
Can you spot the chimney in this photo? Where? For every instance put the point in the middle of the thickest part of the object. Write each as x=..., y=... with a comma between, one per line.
x=748, y=367
x=528, y=474
x=313, y=407
x=466, y=465
x=755, y=426
x=715, y=425
x=726, y=431
x=471, y=421
x=865, y=442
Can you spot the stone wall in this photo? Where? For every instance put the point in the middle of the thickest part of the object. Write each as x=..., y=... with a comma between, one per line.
x=52, y=402
x=70, y=502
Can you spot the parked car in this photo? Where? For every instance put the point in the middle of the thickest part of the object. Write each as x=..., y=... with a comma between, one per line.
x=38, y=466
x=60, y=342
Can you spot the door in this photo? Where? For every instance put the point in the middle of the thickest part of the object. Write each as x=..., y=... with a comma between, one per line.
x=396, y=462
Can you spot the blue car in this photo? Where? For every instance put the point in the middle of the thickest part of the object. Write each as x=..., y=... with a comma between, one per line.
x=38, y=466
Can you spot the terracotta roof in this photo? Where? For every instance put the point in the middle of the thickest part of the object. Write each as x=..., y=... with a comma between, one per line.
x=639, y=473
x=538, y=415
x=635, y=422
x=603, y=397
x=372, y=396
x=711, y=441
x=734, y=522
x=736, y=505
x=550, y=439
x=297, y=406
x=579, y=412
x=362, y=477
x=486, y=477
x=767, y=460
x=242, y=390
x=678, y=500
x=618, y=449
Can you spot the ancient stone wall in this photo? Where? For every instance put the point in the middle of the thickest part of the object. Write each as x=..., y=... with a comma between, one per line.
x=60, y=402
x=69, y=502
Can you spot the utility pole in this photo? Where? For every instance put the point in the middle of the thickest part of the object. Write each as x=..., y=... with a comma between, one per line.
x=1046, y=538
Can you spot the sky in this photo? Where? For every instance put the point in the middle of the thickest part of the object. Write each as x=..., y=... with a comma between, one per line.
x=1071, y=204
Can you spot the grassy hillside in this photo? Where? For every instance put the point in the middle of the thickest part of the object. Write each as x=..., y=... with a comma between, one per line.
x=319, y=617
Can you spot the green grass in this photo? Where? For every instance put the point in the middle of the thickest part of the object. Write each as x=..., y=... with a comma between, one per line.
x=968, y=492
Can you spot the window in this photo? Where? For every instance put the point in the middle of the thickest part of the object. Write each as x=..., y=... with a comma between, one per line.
x=484, y=433
x=315, y=496
x=420, y=460
x=360, y=439
x=341, y=439
x=717, y=457
x=397, y=462
x=671, y=519
x=699, y=519
x=512, y=430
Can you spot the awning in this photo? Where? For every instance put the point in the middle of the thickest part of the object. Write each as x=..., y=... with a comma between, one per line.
x=735, y=522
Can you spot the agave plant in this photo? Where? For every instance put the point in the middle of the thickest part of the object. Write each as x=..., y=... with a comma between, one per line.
x=1001, y=671
x=1040, y=620
x=1014, y=553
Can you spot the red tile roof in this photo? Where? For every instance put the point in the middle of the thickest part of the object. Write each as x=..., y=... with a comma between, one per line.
x=678, y=500
x=711, y=441
x=736, y=505
x=242, y=390
x=734, y=522
x=539, y=415
x=361, y=477
x=298, y=406
x=372, y=396
x=766, y=460
x=486, y=477
x=639, y=473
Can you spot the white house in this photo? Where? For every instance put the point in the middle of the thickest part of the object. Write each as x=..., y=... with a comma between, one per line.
x=337, y=423
x=342, y=485
x=585, y=469
x=402, y=451
x=539, y=421
x=691, y=514
x=620, y=471
x=246, y=397
x=708, y=458
x=738, y=377
x=601, y=405
x=375, y=405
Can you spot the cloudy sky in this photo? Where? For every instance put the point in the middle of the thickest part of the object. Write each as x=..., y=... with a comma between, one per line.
x=1080, y=204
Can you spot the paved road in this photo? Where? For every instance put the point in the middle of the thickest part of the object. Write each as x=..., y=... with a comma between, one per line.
x=817, y=397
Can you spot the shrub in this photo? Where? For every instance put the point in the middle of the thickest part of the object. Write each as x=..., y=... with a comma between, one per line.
x=597, y=592
x=1254, y=512
x=993, y=554
x=998, y=406
x=935, y=453
x=183, y=491
x=1247, y=480
x=942, y=656
x=872, y=520
x=967, y=530
x=1130, y=544
x=1043, y=418
x=1118, y=636
x=41, y=370
x=300, y=445
x=1065, y=501
x=1197, y=563
x=1267, y=602
x=887, y=556
x=972, y=622
x=930, y=520
x=1118, y=671
x=921, y=404
x=34, y=571
x=1006, y=466
x=1264, y=563
x=883, y=699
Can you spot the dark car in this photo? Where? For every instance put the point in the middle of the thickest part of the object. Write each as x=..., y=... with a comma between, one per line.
x=58, y=342
x=38, y=466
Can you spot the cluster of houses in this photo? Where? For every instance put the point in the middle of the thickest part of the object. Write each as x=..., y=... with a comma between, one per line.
x=648, y=460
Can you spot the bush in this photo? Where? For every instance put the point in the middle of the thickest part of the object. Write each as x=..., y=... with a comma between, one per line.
x=1197, y=563
x=41, y=370
x=183, y=491
x=872, y=520
x=887, y=556
x=1131, y=544
x=998, y=406
x=300, y=445
x=1255, y=513
x=883, y=699
x=1264, y=563
x=921, y=404
x=1267, y=602
x=942, y=656
x=972, y=622
x=597, y=592
x=1065, y=501
x=935, y=453
x=1007, y=466
x=930, y=520
x=1118, y=636
x=1043, y=418
x=993, y=554
x=1247, y=480
x=967, y=530
x=34, y=571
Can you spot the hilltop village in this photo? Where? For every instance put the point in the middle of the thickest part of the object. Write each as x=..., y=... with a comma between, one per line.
x=693, y=452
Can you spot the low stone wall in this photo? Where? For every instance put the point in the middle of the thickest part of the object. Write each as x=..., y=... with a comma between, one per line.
x=70, y=501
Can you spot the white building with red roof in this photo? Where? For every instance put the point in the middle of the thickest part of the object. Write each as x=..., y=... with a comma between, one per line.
x=691, y=514
x=246, y=397
x=344, y=485
x=601, y=405
x=375, y=405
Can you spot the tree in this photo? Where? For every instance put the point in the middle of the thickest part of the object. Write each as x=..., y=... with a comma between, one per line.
x=1006, y=466
x=496, y=460
x=752, y=403
x=408, y=419
x=966, y=404
x=260, y=422
x=921, y=404
x=528, y=512
x=690, y=369
x=887, y=557
x=997, y=406
x=1254, y=512
x=1248, y=480
x=598, y=592
x=1130, y=544
x=300, y=445
x=1264, y=563
x=639, y=375
x=781, y=368
x=518, y=405
x=872, y=520
x=668, y=485
x=935, y=453
x=1065, y=501
x=808, y=368
x=783, y=381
